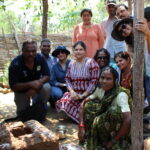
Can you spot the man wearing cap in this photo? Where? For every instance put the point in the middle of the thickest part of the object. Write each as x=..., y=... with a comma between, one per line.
x=111, y=44
x=121, y=11
x=45, y=52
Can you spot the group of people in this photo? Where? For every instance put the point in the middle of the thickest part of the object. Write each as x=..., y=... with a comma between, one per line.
x=94, y=88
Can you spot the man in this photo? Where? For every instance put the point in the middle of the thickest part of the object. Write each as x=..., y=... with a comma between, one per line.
x=111, y=44
x=144, y=26
x=28, y=77
x=45, y=51
x=122, y=11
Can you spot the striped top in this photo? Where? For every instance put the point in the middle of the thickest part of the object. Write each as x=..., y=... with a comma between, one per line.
x=83, y=78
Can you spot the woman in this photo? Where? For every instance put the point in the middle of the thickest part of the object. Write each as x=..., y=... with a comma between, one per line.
x=81, y=79
x=58, y=73
x=105, y=118
x=123, y=30
x=102, y=57
x=89, y=33
x=123, y=61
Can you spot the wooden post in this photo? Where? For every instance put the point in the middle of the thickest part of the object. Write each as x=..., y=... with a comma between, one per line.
x=45, y=18
x=138, y=73
x=130, y=6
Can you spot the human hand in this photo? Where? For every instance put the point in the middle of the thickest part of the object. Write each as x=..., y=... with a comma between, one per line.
x=62, y=85
x=74, y=95
x=36, y=84
x=81, y=134
x=109, y=145
x=30, y=93
x=143, y=27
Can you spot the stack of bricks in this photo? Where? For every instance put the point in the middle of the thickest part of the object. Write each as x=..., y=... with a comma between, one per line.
x=30, y=135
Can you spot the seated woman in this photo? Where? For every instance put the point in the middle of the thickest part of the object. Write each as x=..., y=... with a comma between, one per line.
x=123, y=61
x=58, y=73
x=105, y=117
x=102, y=57
x=81, y=79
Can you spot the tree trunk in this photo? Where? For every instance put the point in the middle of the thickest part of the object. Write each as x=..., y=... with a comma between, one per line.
x=138, y=73
x=45, y=18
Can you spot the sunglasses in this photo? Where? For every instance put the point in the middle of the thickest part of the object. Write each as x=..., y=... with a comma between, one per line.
x=102, y=57
x=124, y=26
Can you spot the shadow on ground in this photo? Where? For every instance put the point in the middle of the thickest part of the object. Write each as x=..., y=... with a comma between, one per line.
x=8, y=109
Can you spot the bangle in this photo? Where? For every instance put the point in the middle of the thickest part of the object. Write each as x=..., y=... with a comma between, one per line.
x=81, y=125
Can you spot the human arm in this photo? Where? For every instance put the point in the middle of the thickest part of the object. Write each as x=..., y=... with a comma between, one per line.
x=143, y=27
x=122, y=101
x=81, y=131
x=75, y=34
x=101, y=36
x=124, y=129
x=94, y=76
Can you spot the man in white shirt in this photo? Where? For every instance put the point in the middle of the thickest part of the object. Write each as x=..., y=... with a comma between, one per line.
x=111, y=44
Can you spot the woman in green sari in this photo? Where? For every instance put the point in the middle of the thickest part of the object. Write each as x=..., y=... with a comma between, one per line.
x=105, y=116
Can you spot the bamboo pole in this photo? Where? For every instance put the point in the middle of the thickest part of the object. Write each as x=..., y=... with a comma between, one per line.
x=138, y=73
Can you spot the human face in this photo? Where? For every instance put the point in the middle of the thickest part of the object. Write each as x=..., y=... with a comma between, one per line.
x=102, y=59
x=62, y=56
x=79, y=52
x=86, y=18
x=111, y=10
x=122, y=63
x=29, y=53
x=106, y=80
x=46, y=48
x=122, y=13
x=125, y=30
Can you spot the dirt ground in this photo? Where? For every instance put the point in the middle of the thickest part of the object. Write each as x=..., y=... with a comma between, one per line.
x=8, y=109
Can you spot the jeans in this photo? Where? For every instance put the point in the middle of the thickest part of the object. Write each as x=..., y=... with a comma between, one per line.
x=56, y=93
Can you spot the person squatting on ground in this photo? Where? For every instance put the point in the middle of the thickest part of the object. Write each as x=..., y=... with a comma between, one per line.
x=81, y=79
x=105, y=116
x=28, y=77
x=58, y=73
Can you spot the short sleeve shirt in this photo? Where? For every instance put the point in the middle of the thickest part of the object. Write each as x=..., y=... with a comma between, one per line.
x=121, y=99
x=19, y=73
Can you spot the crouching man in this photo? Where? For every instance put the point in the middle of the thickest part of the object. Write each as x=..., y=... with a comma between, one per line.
x=28, y=77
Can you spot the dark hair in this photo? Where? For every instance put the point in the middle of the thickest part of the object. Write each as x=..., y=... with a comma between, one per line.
x=24, y=45
x=147, y=13
x=86, y=10
x=102, y=50
x=81, y=43
x=45, y=40
x=123, y=54
x=117, y=6
x=112, y=70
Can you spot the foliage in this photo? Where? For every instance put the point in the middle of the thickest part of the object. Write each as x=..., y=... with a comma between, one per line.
x=62, y=16
x=4, y=77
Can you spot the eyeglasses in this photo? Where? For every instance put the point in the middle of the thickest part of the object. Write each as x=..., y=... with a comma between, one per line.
x=102, y=57
x=124, y=26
